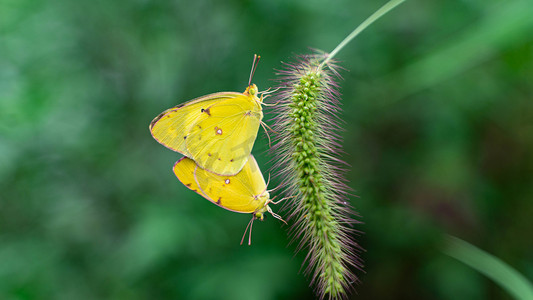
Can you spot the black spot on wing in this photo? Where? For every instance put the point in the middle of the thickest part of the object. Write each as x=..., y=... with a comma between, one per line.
x=219, y=200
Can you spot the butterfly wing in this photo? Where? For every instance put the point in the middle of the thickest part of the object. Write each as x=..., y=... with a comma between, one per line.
x=172, y=126
x=184, y=170
x=222, y=138
x=235, y=193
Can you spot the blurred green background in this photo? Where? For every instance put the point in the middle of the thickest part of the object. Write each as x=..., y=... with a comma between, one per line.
x=439, y=133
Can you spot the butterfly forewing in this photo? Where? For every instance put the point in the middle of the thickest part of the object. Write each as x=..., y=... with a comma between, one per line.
x=172, y=126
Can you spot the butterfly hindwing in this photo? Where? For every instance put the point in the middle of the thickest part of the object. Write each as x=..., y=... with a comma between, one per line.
x=184, y=170
x=238, y=193
x=222, y=138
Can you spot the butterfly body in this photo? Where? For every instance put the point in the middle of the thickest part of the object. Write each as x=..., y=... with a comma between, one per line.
x=217, y=131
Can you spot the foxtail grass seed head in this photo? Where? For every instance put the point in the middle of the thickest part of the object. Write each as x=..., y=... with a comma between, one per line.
x=306, y=154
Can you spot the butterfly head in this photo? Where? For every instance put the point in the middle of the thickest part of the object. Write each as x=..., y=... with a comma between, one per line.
x=252, y=90
x=263, y=198
x=260, y=214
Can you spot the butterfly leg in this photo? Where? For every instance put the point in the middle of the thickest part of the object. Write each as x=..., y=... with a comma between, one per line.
x=275, y=215
x=266, y=131
x=282, y=199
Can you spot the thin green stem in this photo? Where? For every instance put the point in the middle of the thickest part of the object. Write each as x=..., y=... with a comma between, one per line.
x=508, y=278
x=374, y=17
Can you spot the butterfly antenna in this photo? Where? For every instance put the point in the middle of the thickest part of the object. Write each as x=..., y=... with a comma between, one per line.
x=254, y=66
x=276, y=215
x=245, y=230
x=266, y=131
x=250, y=234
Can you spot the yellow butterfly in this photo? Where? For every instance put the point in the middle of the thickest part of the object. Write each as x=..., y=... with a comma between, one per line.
x=217, y=131
x=245, y=192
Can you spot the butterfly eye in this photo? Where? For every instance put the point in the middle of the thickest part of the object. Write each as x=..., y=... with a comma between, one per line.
x=251, y=90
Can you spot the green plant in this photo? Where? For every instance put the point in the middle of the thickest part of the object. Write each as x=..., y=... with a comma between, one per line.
x=307, y=144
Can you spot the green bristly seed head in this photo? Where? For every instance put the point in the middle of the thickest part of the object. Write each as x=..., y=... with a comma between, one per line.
x=307, y=141
x=307, y=163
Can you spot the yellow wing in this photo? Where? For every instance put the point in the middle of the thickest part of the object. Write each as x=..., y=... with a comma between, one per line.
x=172, y=126
x=222, y=139
x=244, y=192
x=217, y=131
